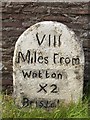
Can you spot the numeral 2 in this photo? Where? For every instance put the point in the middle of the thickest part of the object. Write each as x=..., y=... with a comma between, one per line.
x=54, y=88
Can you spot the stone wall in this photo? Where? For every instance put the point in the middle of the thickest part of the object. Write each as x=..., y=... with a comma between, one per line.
x=17, y=17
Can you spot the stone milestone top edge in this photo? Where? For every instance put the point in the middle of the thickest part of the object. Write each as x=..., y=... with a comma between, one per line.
x=55, y=23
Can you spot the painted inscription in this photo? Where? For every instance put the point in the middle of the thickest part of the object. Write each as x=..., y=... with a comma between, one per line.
x=40, y=103
x=48, y=66
x=34, y=57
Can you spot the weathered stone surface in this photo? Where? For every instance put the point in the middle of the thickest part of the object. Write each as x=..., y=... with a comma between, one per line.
x=48, y=65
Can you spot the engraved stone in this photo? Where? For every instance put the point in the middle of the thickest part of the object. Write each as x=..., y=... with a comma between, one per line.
x=48, y=66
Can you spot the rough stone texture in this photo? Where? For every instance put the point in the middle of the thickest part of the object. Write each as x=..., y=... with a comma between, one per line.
x=17, y=17
x=38, y=52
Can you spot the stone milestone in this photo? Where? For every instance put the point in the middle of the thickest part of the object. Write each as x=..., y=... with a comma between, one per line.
x=48, y=66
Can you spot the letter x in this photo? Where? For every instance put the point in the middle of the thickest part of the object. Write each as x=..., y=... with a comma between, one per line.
x=42, y=88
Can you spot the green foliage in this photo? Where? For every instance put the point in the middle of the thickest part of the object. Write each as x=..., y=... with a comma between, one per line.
x=10, y=110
